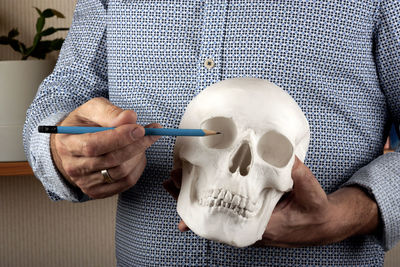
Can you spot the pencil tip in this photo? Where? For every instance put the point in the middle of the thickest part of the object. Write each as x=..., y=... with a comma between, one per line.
x=211, y=132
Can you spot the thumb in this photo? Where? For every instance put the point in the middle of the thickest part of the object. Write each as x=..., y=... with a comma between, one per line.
x=306, y=189
x=124, y=117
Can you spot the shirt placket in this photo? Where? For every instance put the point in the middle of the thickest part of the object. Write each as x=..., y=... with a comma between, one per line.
x=212, y=38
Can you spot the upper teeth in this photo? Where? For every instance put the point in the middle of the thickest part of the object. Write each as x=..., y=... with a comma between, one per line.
x=227, y=199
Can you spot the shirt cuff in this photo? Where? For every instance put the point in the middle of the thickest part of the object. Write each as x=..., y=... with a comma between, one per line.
x=381, y=179
x=44, y=168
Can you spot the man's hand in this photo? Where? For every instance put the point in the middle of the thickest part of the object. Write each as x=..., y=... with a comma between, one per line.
x=80, y=158
x=307, y=216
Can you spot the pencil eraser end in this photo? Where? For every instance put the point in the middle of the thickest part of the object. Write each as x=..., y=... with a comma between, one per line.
x=47, y=129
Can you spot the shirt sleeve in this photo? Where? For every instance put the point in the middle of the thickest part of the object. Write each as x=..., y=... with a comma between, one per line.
x=80, y=74
x=381, y=178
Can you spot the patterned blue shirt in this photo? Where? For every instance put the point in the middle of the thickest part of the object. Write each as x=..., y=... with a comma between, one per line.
x=339, y=60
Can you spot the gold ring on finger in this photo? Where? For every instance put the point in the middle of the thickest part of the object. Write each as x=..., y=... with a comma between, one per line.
x=107, y=178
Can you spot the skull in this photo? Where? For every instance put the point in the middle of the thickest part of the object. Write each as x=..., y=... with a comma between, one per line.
x=231, y=182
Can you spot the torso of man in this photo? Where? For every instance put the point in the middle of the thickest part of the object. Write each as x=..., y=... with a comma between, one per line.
x=160, y=54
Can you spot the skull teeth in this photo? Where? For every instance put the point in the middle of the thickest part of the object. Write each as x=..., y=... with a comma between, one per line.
x=228, y=197
x=228, y=200
x=235, y=201
x=215, y=193
x=244, y=202
x=221, y=194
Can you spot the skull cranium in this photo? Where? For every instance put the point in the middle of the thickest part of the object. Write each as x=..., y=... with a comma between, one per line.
x=232, y=182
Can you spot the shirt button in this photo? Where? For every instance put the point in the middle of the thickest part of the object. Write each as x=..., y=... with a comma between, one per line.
x=209, y=63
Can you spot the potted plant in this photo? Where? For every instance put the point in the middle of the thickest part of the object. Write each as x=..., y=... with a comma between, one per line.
x=20, y=79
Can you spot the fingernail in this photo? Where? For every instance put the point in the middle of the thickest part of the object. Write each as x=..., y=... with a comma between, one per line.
x=137, y=133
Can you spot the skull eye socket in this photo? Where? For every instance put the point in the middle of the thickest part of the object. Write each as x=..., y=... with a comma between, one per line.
x=275, y=149
x=220, y=124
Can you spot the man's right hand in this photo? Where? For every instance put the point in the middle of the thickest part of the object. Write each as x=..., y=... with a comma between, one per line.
x=81, y=158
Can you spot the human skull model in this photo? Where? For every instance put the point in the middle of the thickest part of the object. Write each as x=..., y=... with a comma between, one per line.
x=231, y=182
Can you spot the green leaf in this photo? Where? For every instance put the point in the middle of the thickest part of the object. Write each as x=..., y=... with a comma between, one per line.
x=56, y=44
x=42, y=49
x=44, y=46
x=58, y=14
x=48, y=13
x=40, y=24
x=62, y=29
x=15, y=45
x=14, y=32
x=52, y=30
x=38, y=11
x=48, y=31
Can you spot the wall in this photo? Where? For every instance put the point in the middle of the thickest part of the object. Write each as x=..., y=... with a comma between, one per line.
x=21, y=14
x=35, y=231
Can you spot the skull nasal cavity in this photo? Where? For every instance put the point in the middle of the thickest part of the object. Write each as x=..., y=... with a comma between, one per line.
x=241, y=160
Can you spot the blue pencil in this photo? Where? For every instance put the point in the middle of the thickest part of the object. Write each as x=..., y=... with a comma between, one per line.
x=148, y=131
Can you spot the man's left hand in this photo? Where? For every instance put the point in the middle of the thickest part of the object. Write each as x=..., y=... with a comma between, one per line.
x=307, y=216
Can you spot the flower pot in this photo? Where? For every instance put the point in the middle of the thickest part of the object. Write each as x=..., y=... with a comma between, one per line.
x=19, y=81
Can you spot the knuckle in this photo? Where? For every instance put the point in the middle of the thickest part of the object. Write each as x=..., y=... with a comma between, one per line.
x=87, y=191
x=92, y=193
x=79, y=183
x=61, y=149
x=129, y=115
x=96, y=100
x=113, y=142
x=88, y=149
x=71, y=170
x=59, y=145
x=90, y=166
x=132, y=113
x=113, y=110
x=123, y=170
x=112, y=159
x=120, y=141
x=89, y=104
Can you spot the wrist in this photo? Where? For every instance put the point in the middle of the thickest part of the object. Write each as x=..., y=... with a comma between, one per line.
x=57, y=160
x=352, y=212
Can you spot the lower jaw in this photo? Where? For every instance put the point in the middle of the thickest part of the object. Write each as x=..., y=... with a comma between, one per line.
x=224, y=227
